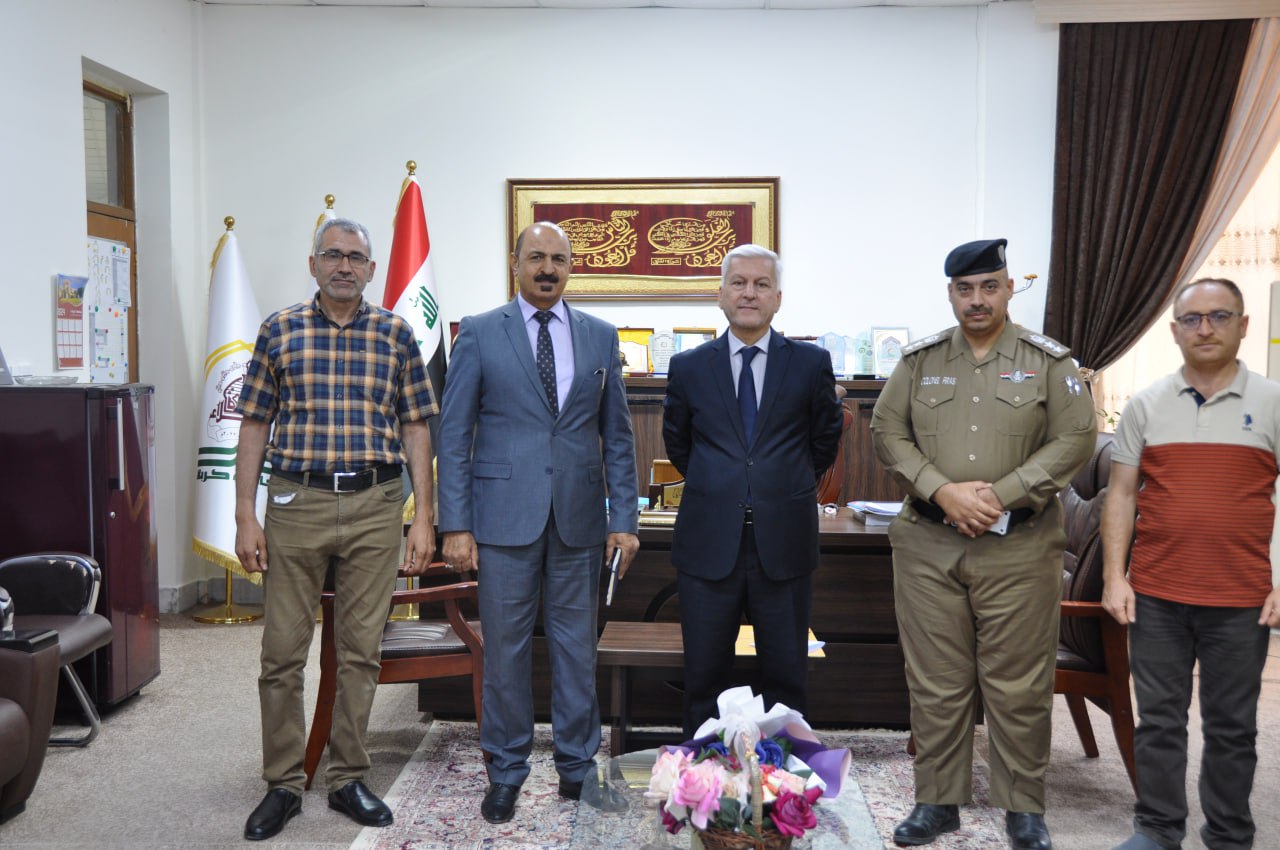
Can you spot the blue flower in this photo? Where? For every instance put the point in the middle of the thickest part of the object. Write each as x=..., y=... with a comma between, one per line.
x=770, y=753
x=716, y=747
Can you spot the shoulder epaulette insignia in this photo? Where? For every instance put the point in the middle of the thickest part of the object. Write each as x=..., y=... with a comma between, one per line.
x=931, y=339
x=1053, y=347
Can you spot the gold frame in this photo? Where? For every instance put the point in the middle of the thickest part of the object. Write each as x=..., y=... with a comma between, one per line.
x=637, y=336
x=759, y=192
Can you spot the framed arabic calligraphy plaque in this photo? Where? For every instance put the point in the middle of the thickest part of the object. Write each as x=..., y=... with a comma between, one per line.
x=647, y=238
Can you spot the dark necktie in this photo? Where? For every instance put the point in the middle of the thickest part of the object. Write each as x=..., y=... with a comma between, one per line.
x=547, y=361
x=747, y=391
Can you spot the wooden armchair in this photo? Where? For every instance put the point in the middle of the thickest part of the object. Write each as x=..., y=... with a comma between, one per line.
x=411, y=650
x=1093, y=651
x=831, y=482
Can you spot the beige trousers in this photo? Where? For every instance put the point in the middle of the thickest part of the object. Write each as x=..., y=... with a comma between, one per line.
x=978, y=620
x=308, y=530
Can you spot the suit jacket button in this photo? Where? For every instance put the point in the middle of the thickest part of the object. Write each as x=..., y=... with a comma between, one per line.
x=548, y=470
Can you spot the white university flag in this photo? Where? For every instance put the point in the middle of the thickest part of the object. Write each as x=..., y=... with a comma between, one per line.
x=233, y=328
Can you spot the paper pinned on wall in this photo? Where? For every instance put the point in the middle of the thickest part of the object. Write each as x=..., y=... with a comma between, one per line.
x=110, y=329
x=109, y=268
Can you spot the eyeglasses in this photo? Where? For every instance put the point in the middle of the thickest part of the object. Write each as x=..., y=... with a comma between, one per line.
x=332, y=257
x=1217, y=319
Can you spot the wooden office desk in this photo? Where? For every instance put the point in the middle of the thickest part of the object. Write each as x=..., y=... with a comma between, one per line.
x=861, y=682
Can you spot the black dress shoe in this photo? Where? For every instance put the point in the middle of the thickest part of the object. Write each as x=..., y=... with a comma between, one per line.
x=1027, y=831
x=500, y=802
x=925, y=823
x=570, y=790
x=272, y=814
x=360, y=804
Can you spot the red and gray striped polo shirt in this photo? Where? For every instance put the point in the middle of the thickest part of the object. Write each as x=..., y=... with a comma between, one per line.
x=1206, y=505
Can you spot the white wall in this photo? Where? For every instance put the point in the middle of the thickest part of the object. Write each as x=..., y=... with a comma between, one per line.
x=897, y=133
x=146, y=47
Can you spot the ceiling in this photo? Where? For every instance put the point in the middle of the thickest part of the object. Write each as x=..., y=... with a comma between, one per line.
x=609, y=4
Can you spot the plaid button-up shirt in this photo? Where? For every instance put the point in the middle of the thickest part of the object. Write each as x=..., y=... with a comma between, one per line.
x=337, y=394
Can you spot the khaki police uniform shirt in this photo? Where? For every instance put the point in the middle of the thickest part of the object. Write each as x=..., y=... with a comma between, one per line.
x=1020, y=418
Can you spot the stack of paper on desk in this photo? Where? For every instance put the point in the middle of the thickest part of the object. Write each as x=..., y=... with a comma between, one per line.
x=876, y=513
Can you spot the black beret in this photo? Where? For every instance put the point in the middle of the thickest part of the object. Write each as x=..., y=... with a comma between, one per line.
x=980, y=257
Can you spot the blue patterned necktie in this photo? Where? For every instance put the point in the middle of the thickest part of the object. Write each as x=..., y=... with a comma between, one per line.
x=547, y=361
x=747, y=391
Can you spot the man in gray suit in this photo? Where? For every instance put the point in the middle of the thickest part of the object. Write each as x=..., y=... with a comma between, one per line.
x=534, y=426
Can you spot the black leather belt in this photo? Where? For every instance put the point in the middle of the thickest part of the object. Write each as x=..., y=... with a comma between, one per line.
x=342, y=482
x=929, y=510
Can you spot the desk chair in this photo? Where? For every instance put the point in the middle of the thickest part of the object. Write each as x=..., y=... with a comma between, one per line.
x=411, y=650
x=59, y=591
x=1093, y=650
x=831, y=482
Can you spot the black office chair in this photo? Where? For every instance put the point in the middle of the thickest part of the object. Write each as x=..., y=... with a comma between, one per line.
x=58, y=591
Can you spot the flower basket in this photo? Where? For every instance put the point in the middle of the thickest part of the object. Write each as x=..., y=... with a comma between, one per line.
x=716, y=838
x=748, y=780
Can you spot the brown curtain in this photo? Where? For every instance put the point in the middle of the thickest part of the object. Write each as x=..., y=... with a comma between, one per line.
x=1142, y=109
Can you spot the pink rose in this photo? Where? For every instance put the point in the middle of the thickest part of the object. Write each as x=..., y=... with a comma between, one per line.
x=698, y=787
x=793, y=813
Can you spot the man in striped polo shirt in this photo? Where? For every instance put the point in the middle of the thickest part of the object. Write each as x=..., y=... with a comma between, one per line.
x=1195, y=460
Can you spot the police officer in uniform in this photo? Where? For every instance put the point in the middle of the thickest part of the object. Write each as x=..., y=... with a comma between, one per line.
x=982, y=425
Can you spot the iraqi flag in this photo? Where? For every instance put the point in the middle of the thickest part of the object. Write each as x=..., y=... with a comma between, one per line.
x=411, y=286
x=233, y=328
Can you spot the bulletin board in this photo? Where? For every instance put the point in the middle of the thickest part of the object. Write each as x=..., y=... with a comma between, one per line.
x=107, y=302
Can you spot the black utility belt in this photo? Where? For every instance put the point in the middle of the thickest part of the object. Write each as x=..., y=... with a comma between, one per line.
x=342, y=482
x=929, y=510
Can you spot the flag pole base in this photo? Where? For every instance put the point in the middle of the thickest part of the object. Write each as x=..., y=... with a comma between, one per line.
x=228, y=614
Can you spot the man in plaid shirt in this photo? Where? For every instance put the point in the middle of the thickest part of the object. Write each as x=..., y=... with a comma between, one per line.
x=345, y=386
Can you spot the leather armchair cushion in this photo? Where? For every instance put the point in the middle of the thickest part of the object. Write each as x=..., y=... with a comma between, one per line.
x=15, y=740
x=411, y=638
x=78, y=634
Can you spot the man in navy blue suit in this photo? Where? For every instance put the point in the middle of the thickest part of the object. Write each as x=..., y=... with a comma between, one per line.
x=750, y=419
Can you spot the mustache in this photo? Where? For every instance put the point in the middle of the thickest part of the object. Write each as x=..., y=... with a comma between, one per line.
x=546, y=277
x=978, y=311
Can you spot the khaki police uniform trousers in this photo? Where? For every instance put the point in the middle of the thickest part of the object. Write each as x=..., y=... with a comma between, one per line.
x=307, y=529
x=978, y=619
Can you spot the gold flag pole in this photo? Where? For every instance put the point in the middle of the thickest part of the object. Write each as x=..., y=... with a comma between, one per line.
x=228, y=613
x=409, y=610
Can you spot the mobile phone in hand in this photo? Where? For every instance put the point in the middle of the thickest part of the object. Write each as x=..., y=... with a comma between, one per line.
x=614, y=563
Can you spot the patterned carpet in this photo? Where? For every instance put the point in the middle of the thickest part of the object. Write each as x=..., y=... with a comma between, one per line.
x=437, y=797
